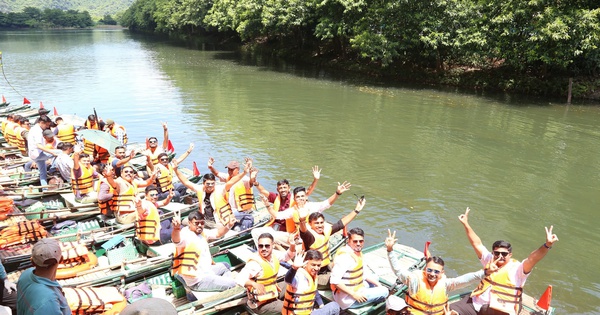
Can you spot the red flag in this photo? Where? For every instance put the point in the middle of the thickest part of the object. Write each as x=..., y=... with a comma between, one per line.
x=196, y=171
x=170, y=147
x=55, y=112
x=3, y=99
x=426, y=250
x=546, y=298
x=26, y=101
x=147, y=144
x=41, y=105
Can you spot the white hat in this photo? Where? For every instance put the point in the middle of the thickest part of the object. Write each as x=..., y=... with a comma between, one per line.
x=395, y=303
x=45, y=250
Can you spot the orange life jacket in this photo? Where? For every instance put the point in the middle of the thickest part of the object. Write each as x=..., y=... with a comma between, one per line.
x=65, y=133
x=427, y=300
x=147, y=229
x=505, y=295
x=23, y=232
x=300, y=302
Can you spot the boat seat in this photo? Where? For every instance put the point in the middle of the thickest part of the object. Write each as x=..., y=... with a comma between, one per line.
x=162, y=250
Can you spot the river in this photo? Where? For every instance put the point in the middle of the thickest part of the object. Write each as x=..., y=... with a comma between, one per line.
x=419, y=155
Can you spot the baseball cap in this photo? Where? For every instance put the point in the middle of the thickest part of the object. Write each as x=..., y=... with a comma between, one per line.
x=109, y=122
x=233, y=165
x=395, y=303
x=45, y=250
x=48, y=133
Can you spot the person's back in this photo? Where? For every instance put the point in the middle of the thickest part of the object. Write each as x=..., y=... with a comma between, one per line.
x=38, y=292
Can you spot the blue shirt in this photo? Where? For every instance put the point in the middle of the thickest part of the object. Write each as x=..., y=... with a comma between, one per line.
x=40, y=296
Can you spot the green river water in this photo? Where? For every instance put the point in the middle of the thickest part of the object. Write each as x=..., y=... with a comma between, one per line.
x=419, y=155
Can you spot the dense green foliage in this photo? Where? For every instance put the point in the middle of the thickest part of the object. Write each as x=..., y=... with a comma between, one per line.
x=96, y=8
x=49, y=18
x=538, y=39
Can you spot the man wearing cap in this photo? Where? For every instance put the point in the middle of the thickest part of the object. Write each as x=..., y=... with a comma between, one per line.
x=395, y=305
x=428, y=289
x=116, y=131
x=241, y=197
x=38, y=151
x=38, y=292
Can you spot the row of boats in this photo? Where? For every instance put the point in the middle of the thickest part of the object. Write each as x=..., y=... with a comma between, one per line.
x=103, y=264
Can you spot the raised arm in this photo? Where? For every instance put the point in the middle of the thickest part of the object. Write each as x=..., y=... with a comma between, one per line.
x=211, y=166
x=124, y=161
x=76, y=154
x=239, y=176
x=176, y=233
x=473, y=238
x=316, y=175
x=341, y=188
x=186, y=182
x=186, y=154
x=541, y=252
x=360, y=204
x=148, y=181
x=165, y=145
x=167, y=200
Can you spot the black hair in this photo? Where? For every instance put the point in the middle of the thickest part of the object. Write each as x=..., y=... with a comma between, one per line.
x=315, y=216
x=208, y=176
x=299, y=189
x=436, y=260
x=313, y=254
x=161, y=155
x=150, y=188
x=502, y=244
x=356, y=231
x=196, y=215
x=283, y=182
x=120, y=147
x=266, y=235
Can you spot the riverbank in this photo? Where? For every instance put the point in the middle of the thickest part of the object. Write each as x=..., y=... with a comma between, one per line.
x=498, y=79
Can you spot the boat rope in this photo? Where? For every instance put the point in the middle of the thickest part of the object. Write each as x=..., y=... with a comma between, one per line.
x=5, y=78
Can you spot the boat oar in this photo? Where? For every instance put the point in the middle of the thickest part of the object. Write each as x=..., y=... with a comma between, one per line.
x=27, y=187
x=80, y=233
x=38, y=212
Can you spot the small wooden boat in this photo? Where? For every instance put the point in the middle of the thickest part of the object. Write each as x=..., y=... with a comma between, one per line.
x=375, y=258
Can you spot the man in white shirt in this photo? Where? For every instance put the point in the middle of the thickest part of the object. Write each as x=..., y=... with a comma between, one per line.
x=353, y=285
x=193, y=262
x=63, y=163
x=501, y=291
x=38, y=152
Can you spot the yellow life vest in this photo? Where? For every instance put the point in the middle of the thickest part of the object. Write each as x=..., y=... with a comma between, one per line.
x=321, y=243
x=300, y=302
x=164, y=181
x=244, y=197
x=9, y=133
x=114, y=134
x=19, y=140
x=66, y=133
x=505, y=296
x=154, y=156
x=106, y=207
x=89, y=300
x=124, y=202
x=88, y=147
x=147, y=229
x=427, y=300
x=222, y=209
x=268, y=278
x=85, y=183
x=186, y=260
x=352, y=278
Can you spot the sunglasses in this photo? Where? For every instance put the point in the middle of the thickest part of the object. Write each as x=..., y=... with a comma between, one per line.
x=504, y=254
x=358, y=241
x=164, y=159
x=153, y=195
x=152, y=141
x=197, y=223
x=264, y=245
x=429, y=270
x=127, y=172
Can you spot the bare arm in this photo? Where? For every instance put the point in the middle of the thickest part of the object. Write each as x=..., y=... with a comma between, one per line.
x=211, y=167
x=176, y=233
x=345, y=186
x=166, y=201
x=186, y=154
x=239, y=176
x=473, y=238
x=541, y=252
x=76, y=159
x=186, y=182
x=165, y=145
x=262, y=190
x=350, y=216
x=126, y=159
x=149, y=181
x=316, y=175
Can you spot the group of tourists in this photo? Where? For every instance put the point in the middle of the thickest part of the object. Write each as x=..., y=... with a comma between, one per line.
x=297, y=236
